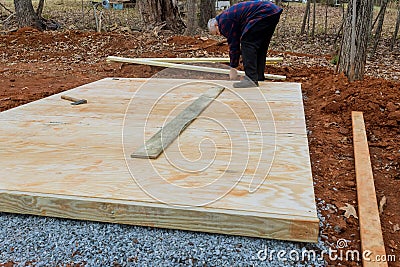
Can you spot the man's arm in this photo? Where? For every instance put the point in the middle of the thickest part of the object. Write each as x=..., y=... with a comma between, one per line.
x=232, y=32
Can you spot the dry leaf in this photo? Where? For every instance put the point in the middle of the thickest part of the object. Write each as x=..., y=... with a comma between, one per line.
x=382, y=203
x=396, y=228
x=350, y=211
x=392, y=244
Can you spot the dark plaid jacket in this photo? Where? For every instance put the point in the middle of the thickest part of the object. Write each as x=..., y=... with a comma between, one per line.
x=234, y=22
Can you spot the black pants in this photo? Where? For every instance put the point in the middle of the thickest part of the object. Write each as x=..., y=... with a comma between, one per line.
x=254, y=47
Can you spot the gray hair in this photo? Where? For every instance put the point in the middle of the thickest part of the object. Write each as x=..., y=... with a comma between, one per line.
x=212, y=25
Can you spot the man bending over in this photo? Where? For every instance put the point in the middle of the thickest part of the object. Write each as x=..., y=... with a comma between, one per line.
x=248, y=27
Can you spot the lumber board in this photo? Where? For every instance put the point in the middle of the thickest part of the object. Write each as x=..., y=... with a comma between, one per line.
x=370, y=223
x=185, y=67
x=74, y=162
x=268, y=60
x=153, y=215
x=168, y=133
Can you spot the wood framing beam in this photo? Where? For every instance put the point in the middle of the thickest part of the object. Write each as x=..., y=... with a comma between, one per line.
x=185, y=67
x=268, y=60
x=200, y=219
x=164, y=137
x=370, y=224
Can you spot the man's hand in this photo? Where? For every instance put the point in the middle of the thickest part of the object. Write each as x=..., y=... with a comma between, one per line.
x=233, y=75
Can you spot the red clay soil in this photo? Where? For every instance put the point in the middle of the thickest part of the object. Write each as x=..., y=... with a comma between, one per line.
x=329, y=100
x=35, y=65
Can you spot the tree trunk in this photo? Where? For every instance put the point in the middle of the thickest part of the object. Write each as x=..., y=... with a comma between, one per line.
x=207, y=11
x=308, y=21
x=162, y=13
x=380, y=25
x=191, y=17
x=233, y=2
x=313, y=24
x=39, y=9
x=356, y=32
x=326, y=18
x=305, y=17
x=26, y=15
x=396, y=29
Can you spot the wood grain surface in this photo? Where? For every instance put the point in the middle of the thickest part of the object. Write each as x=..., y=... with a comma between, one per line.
x=370, y=223
x=242, y=167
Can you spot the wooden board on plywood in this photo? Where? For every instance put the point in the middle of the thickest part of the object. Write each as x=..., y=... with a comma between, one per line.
x=241, y=168
x=144, y=61
x=169, y=132
x=268, y=60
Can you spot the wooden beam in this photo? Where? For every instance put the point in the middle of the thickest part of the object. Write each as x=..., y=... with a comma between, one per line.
x=164, y=137
x=370, y=224
x=185, y=67
x=223, y=221
x=268, y=60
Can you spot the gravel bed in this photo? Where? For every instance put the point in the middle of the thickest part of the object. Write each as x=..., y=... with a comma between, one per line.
x=43, y=241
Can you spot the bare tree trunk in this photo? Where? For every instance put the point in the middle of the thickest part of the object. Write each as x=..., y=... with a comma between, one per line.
x=207, y=11
x=161, y=13
x=308, y=21
x=83, y=15
x=305, y=17
x=26, y=15
x=338, y=33
x=233, y=2
x=356, y=32
x=378, y=31
x=39, y=9
x=282, y=21
x=326, y=17
x=396, y=29
x=191, y=17
x=378, y=16
x=313, y=24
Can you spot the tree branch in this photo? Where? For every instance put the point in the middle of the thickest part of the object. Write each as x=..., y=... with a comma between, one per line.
x=3, y=6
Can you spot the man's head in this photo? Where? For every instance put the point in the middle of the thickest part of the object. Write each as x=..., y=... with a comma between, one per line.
x=213, y=26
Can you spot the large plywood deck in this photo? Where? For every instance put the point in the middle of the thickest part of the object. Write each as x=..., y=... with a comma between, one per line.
x=242, y=168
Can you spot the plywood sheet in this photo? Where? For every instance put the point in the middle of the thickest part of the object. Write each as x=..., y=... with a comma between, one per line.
x=241, y=168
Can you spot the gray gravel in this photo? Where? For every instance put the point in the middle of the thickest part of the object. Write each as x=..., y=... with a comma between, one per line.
x=43, y=241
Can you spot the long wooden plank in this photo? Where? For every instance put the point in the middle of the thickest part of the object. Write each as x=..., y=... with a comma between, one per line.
x=186, y=67
x=159, y=215
x=268, y=60
x=167, y=134
x=370, y=224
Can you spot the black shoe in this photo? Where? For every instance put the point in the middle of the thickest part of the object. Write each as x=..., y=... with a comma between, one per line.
x=245, y=84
